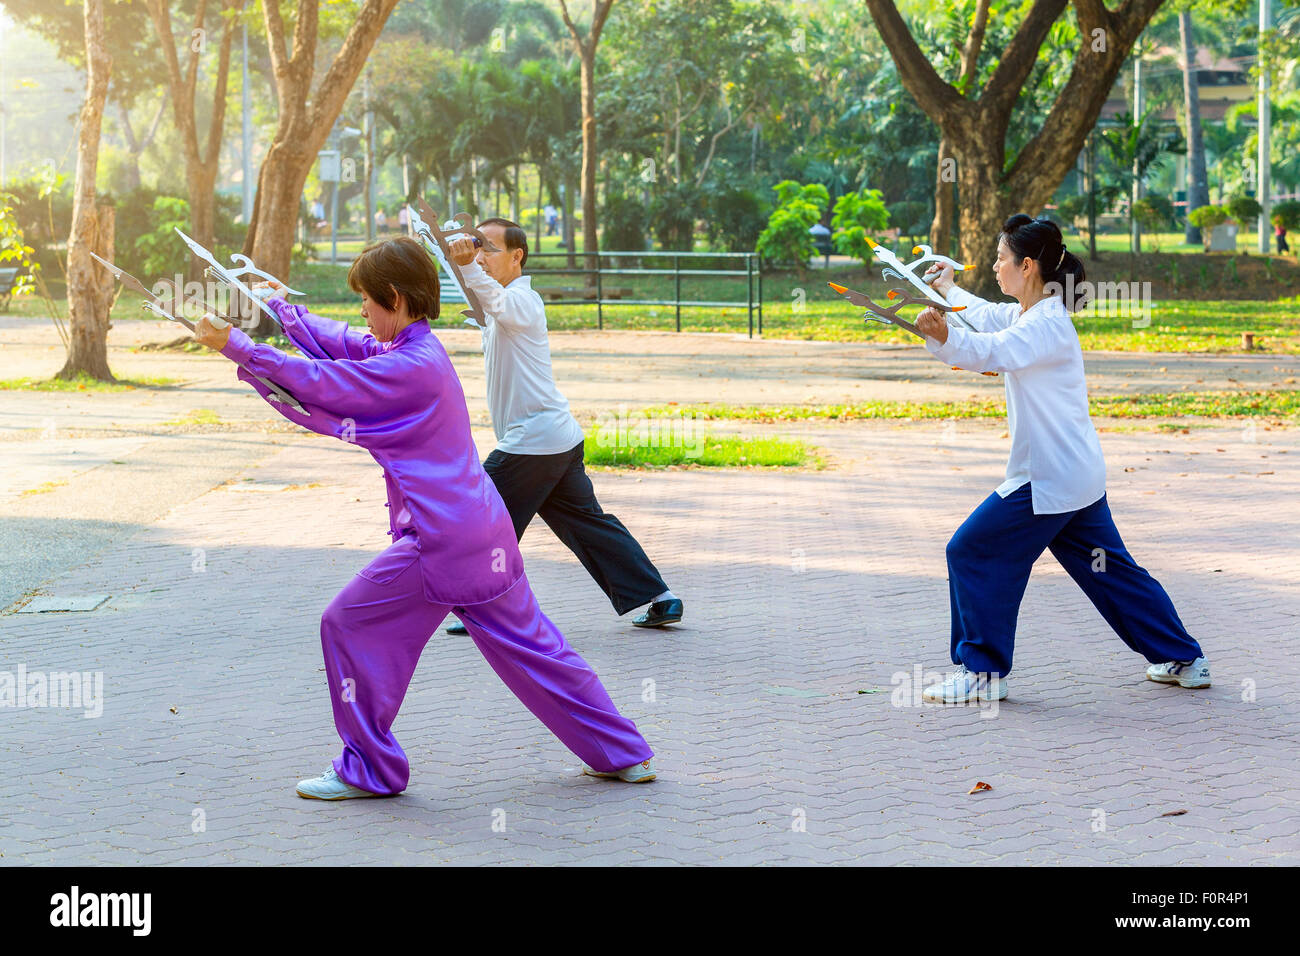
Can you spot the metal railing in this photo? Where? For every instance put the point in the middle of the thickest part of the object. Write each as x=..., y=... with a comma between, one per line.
x=752, y=273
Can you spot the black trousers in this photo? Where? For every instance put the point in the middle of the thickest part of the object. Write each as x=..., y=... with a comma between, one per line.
x=557, y=488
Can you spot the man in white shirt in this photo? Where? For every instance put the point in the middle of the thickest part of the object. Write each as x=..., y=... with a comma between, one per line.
x=537, y=466
x=1054, y=496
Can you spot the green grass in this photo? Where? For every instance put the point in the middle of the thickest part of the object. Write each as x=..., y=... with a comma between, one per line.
x=84, y=383
x=805, y=308
x=1177, y=325
x=1247, y=242
x=1280, y=403
x=197, y=416
x=710, y=451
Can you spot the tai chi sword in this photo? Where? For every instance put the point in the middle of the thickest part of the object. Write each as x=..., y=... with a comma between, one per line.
x=234, y=277
x=158, y=308
x=425, y=225
x=907, y=271
x=889, y=314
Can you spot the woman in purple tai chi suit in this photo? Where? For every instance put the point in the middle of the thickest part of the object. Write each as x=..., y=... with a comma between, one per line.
x=395, y=393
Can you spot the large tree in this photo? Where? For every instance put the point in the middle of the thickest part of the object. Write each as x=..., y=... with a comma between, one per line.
x=976, y=123
x=586, y=47
x=92, y=224
x=945, y=181
x=306, y=117
x=201, y=163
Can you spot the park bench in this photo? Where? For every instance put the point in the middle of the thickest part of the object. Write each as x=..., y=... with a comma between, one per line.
x=559, y=292
x=8, y=279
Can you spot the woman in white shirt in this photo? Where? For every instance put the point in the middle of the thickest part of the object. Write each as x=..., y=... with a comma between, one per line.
x=1054, y=495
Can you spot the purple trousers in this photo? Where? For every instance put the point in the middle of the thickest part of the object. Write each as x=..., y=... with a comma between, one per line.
x=372, y=634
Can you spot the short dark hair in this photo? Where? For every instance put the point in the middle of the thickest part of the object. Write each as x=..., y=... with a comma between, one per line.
x=516, y=238
x=1041, y=240
x=397, y=265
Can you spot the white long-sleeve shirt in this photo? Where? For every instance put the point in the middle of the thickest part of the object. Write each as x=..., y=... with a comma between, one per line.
x=1053, y=442
x=529, y=415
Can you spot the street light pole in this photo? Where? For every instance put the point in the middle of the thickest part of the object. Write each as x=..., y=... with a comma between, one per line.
x=370, y=157
x=1135, y=235
x=246, y=101
x=4, y=102
x=1265, y=121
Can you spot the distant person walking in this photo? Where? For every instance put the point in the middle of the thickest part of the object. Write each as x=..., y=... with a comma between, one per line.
x=404, y=220
x=1280, y=232
x=552, y=219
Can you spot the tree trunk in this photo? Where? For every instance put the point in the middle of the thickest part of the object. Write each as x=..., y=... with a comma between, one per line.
x=279, y=185
x=989, y=186
x=589, y=244
x=979, y=221
x=1090, y=152
x=305, y=120
x=1198, y=190
x=201, y=180
x=586, y=50
x=201, y=163
x=541, y=179
x=945, y=182
x=568, y=218
x=92, y=228
x=944, y=186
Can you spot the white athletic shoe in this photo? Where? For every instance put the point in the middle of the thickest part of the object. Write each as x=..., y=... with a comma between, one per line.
x=963, y=686
x=1183, y=673
x=328, y=786
x=642, y=772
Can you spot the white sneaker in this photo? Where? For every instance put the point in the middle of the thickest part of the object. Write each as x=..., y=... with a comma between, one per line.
x=328, y=786
x=963, y=686
x=642, y=772
x=1183, y=673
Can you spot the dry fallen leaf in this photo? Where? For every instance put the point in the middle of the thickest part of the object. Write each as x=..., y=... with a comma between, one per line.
x=1174, y=813
x=173, y=710
x=984, y=786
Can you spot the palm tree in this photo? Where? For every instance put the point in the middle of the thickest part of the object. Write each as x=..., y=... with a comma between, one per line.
x=1132, y=148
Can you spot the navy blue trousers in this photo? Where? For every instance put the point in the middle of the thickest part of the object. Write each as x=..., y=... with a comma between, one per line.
x=992, y=553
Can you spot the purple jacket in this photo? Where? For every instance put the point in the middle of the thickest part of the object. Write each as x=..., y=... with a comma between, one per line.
x=403, y=402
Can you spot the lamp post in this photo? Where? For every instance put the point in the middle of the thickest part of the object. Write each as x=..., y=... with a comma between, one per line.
x=1265, y=120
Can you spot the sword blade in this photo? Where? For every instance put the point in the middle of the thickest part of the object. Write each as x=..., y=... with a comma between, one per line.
x=436, y=242
x=152, y=302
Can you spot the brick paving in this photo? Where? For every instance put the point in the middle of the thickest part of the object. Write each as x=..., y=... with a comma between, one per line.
x=772, y=709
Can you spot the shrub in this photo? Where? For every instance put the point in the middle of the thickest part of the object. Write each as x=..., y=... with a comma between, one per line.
x=1205, y=218
x=1286, y=214
x=42, y=209
x=1154, y=212
x=1243, y=210
x=14, y=250
x=736, y=216
x=912, y=218
x=146, y=243
x=1072, y=208
x=856, y=215
x=624, y=223
x=672, y=217
x=786, y=237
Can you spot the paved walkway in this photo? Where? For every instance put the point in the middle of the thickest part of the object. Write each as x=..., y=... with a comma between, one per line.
x=778, y=711
x=774, y=709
